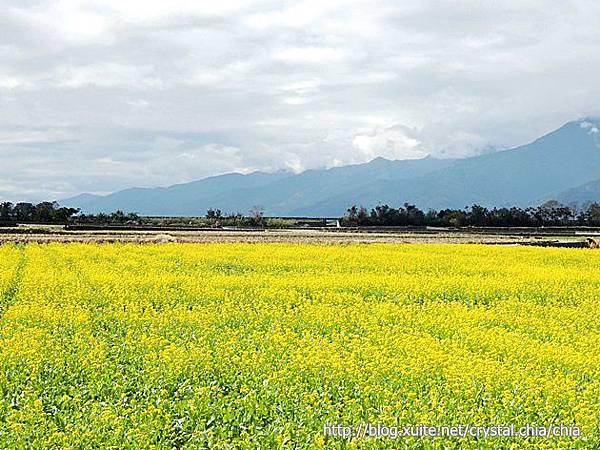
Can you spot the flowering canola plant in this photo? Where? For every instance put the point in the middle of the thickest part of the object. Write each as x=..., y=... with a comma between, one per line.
x=258, y=345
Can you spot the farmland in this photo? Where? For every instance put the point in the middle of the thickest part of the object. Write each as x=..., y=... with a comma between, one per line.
x=258, y=345
x=44, y=233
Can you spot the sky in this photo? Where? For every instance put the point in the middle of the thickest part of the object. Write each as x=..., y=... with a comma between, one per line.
x=101, y=95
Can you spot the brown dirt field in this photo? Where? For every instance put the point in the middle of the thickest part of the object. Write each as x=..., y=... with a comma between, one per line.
x=57, y=234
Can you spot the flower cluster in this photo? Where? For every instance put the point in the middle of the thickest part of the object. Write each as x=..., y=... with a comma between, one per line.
x=258, y=345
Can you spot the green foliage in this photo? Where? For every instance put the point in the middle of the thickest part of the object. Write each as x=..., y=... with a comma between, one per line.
x=551, y=213
x=44, y=212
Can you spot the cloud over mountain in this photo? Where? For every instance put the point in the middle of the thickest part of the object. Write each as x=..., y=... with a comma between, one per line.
x=100, y=95
x=563, y=164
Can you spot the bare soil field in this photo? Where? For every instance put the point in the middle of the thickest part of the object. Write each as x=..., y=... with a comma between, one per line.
x=53, y=233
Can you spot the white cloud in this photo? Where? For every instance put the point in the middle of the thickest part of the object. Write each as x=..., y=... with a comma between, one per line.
x=152, y=11
x=302, y=87
x=299, y=14
x=155, y=92
x=591, y=127
x=69, y=21
x=295, y=101
x=310, y=55
x=393, y=143
x=105, y=75
x=8, y=82
x=137, y=103
x=32, y=137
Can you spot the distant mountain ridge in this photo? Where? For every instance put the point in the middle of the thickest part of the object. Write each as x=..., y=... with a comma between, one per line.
x=581, y=195
x=550, y=167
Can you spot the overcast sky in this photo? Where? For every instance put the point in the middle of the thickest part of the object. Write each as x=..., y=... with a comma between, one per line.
x=101, y=95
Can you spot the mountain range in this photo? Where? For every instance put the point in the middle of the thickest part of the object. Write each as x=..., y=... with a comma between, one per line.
x=562, y=165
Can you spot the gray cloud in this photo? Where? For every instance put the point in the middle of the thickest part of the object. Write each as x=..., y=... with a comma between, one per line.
x=102, y=95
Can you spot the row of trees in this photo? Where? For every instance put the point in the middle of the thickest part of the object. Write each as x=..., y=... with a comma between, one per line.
x=53, y=213
x=44, y=212
x=255, y=218
x=551, y=213
x=117, y=217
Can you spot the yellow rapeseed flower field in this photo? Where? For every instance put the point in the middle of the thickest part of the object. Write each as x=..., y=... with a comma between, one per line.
x=259, y=345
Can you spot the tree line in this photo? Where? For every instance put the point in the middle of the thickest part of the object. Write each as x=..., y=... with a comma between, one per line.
x=44, y=212
x=53, y=213
x=551, y=213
